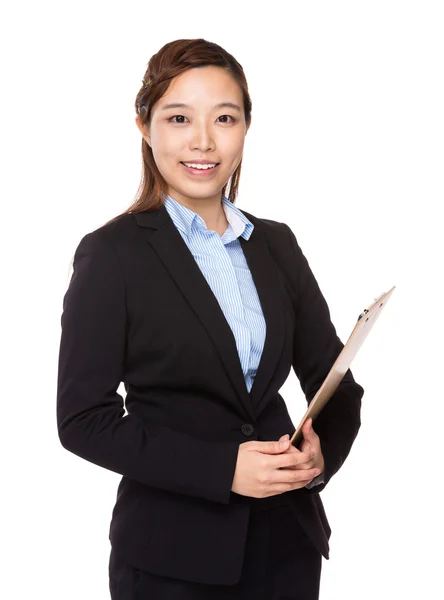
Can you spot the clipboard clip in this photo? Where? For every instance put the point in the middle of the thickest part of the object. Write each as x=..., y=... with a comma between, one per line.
x=366, y=310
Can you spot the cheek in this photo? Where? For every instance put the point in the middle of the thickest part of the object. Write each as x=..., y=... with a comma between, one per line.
x=166, y=145
x=165, y=156
x=234, y=148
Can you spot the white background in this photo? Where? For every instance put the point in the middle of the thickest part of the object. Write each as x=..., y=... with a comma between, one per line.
x=346, y=146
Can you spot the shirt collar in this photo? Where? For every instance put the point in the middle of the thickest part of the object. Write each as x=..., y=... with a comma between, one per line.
x=186, y=219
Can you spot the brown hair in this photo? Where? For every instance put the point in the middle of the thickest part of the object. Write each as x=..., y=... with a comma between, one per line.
x=171, y=60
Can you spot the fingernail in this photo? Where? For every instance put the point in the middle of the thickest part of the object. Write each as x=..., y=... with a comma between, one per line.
x=283, y=443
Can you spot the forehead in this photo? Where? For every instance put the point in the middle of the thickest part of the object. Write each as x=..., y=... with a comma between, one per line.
x=202, y=86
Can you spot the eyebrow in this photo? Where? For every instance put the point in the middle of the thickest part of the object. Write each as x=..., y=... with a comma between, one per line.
x=220, y=105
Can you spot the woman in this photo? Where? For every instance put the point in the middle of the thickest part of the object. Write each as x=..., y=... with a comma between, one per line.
x=201, y=309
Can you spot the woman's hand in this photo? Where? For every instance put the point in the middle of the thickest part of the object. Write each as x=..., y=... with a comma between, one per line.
x=311, y=445
x=266, y=468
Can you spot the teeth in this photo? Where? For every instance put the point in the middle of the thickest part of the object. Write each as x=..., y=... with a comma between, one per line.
x=199, y=166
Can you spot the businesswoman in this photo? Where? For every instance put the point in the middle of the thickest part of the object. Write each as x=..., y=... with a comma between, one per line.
x=201, y=309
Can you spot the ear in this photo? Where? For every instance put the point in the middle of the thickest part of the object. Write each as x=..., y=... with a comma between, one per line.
x=144, y=130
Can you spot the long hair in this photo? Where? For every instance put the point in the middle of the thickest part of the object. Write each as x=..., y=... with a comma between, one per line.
x=171, y=60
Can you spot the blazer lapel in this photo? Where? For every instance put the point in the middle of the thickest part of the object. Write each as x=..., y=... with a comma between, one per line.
x=265, y=276
x=166, y=240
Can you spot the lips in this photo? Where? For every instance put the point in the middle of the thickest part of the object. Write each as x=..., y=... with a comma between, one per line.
x=200, y=172
x=191, y=163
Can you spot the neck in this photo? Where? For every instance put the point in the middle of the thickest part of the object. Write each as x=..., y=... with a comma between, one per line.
x=210, y=210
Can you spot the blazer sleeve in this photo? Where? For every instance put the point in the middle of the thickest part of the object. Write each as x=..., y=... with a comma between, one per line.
x=316, y=347
x=90, y=413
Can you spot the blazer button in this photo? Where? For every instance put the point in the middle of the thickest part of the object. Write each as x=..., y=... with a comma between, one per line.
x=247, y=429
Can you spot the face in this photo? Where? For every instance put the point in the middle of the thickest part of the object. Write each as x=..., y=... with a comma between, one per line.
x=199, y=130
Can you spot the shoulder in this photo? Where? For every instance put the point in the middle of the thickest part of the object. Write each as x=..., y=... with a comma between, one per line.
x=112, y=235
x=266, y=224
x=277, y=231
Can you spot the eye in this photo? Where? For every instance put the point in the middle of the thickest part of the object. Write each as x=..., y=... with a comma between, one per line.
x=182, y=116
x=230, y=117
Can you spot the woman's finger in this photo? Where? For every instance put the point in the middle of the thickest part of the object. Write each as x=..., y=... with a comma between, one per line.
x=294, y=459
x=293, y=475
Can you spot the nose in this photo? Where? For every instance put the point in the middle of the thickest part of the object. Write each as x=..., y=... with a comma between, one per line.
x=202, y=137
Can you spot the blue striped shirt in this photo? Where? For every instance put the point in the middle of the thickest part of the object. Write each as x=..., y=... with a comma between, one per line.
x=223, y=264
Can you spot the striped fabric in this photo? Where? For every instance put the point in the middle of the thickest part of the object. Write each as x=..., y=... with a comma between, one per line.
x=223, y=264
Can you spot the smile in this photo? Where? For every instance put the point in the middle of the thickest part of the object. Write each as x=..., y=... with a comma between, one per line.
x=202, y=171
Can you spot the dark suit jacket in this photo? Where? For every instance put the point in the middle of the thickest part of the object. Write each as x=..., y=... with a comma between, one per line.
x=138, y=310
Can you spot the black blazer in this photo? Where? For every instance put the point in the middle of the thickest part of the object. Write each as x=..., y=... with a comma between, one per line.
x=138, y=310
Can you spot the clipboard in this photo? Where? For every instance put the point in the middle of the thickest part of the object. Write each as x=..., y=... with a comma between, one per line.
x=365, y=322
